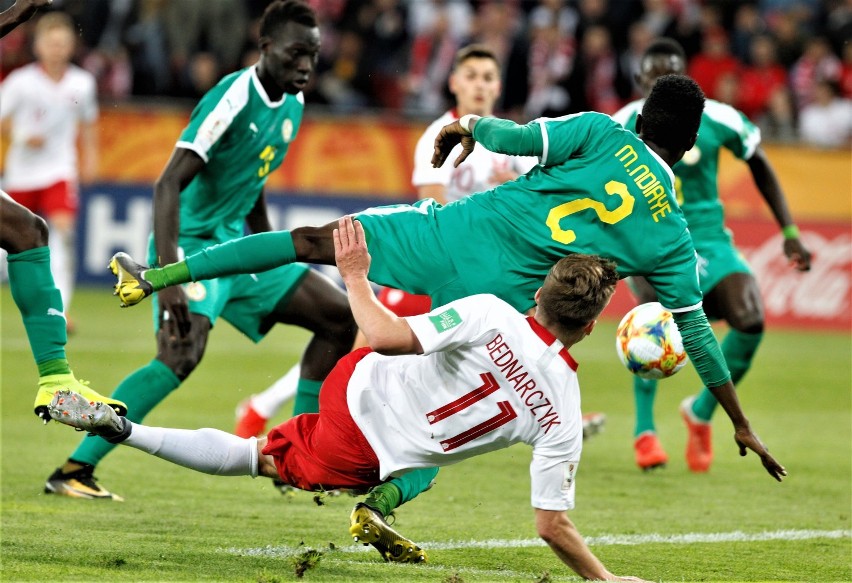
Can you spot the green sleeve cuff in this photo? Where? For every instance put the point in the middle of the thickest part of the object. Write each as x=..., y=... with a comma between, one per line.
x=703, y=349
x=507, y=137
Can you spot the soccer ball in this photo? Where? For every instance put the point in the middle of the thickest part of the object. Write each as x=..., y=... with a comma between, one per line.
x=649, y=343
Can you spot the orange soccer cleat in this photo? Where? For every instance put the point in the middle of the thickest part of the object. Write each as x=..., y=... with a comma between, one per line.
x=649, y=452
x=699, y=443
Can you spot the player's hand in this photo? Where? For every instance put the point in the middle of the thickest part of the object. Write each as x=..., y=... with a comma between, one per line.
x=450, y=136
x=799, y=257
x=174, y=312
x=746, y=440
x=350, y=249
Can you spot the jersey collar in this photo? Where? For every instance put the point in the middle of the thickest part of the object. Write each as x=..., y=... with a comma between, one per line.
x=549, y=339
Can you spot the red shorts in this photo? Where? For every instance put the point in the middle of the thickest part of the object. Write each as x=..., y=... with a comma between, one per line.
x=60, y=197
x=403, y=303
x=326, y=450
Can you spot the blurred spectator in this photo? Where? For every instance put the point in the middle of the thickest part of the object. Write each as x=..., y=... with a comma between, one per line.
x=437, y=28
x=592, y=83
x=640, y=38
x=498, y=26
x=383, y=28
x=788, y=36
x=816, y=64
x=747, y=25
x=552, y=49
x=146, y=41
x=204, y=26
x=826, y=122
x=760, y=79
x=713, y=63
x=778, y=123
x=846, y=71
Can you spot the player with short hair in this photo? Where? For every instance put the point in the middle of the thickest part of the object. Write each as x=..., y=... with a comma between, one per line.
x=211, y=188
x=46, y=104
x=475, y=85
x=730, y=289
x=467, y=378
x=599, y=189
x=25, y=236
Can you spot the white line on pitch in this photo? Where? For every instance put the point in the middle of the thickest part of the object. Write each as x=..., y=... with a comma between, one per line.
x=603, y=540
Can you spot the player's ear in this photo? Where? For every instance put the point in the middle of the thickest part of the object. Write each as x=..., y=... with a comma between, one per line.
x=587, y=329
x=537, y=295
x=638, y=124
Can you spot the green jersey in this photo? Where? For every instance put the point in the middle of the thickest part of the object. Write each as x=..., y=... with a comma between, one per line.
x=598, y=190
x=242, y=136
x=722, y=126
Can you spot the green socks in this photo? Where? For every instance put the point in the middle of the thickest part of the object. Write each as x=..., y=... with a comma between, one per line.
x=142, y=390
x=307, y=397
x=40, y=304
x=172, y=274
x=396, y=492
x=252, y=254
x=53, y=367
x=738, y=349
x=644, y=391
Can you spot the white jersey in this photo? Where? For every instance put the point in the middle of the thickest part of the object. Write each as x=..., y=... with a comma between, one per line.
x=473, y=175
x=489, y=377
x=42, y=107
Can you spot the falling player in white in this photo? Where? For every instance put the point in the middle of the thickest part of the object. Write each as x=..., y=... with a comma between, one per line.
x=467, y=378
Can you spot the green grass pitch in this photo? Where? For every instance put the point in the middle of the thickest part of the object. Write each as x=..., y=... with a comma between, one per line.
x=732, y=524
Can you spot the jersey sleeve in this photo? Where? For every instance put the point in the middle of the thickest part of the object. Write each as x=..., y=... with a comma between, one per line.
x=566, y=137
x=213, y=115
x=675, y=278
x=737, y=133
x=424, y=173
x=457, y=323
x=552, y=481
x=10, y=95
x=89, y=111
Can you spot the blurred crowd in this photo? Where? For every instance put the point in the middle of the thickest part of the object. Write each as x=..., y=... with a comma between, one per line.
x=787, y=64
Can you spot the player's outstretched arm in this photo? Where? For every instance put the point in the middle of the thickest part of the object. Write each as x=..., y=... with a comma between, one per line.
x=565, y=540
x=19, y=12
x=386, y=332
x=770, y=188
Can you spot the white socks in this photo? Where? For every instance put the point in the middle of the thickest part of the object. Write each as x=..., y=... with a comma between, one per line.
x=269, y=402
x=206, y=450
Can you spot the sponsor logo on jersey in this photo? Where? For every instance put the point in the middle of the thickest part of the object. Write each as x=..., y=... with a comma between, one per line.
x=195, y=291
x=287, y=130
x=691, y=157
x=55, y=312
x=253, y=128
x=446, y=320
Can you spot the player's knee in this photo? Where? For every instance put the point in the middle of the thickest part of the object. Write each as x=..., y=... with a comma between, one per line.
x=748, y=321
x=28, y=231
x=182, y=360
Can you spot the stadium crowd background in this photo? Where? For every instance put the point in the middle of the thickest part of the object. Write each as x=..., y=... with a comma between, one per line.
x=773, y=59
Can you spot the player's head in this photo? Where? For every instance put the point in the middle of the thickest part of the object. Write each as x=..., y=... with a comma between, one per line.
x=54, y=40
x=575, y=292
x=475, y=80
x=289, y=44
x=664, y=56
x=671, y=115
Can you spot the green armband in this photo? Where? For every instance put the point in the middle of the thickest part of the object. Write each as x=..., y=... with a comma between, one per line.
x=790, y=232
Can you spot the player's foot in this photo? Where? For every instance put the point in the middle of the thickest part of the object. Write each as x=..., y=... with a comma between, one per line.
x=250, y=423
x=649, y=452
x=593, y=423
x=70, y=408
x=368, y=527
x=699, y=442
x=78, y=484
x=131, y=287
x=49, y=385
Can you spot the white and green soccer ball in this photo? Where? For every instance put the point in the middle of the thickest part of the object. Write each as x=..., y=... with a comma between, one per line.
x=649, y=343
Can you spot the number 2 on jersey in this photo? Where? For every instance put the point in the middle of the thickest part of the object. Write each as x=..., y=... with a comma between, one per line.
x=489, y=386
x=610, y=217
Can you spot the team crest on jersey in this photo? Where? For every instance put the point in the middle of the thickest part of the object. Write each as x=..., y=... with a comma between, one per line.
x=446, y=320
x=691, y=157
x=287, y=130
x=195, y=291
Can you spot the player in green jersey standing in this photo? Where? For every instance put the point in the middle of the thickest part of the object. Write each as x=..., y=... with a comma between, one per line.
x=210, y=189
x=599, y=189
x=729, y=287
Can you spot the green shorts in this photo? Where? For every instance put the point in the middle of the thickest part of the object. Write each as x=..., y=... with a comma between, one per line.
x=717, y=260
x=245, y=301
x=407, y=252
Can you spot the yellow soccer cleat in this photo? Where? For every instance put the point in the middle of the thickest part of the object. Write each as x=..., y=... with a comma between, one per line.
x=49, y=385
x=78, y=484
x=131, y=287
x=368, y=527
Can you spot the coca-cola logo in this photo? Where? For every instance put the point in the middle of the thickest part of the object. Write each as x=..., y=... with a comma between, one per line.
x=823, y=293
